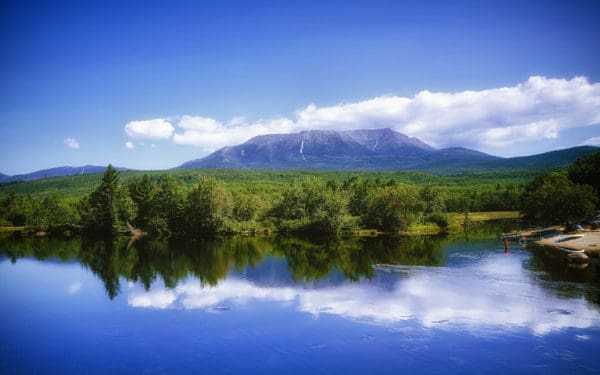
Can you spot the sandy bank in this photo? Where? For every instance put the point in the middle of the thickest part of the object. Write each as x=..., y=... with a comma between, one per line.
x=590, y=243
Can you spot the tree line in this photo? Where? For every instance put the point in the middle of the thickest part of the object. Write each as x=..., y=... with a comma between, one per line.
x=568, y=197
x=166, y=206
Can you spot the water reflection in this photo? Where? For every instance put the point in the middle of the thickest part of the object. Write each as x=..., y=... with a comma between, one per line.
x=465, y=282
x=309, y=261
x=444, y=298
x=146, y=261
x=210, y=261
x=563, y=277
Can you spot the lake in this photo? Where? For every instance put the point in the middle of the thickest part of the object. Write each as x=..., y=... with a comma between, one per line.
x=430, y=305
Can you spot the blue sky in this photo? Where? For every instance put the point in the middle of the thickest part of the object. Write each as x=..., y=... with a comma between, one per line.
x=153, y=84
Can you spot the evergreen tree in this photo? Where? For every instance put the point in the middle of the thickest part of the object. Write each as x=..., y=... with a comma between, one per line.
x=109, y=208
x=143, y=193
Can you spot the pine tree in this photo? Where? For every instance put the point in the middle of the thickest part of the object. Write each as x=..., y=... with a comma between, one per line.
x=108, y=208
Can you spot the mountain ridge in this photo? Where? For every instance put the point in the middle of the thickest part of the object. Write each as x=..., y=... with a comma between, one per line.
x=368, y=149
x=56, y=172
x=320, y=149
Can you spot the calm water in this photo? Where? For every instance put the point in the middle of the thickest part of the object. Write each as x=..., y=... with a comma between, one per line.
x=243, y=305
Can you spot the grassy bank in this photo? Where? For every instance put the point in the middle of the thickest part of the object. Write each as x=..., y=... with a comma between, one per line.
x=12, y=229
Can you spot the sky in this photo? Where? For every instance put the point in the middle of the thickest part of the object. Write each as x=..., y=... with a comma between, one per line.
x=150, y=85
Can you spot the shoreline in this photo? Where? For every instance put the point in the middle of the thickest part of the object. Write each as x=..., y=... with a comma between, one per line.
x=589, y=243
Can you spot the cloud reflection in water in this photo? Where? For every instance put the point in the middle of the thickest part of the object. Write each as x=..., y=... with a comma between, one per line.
x=495, y=293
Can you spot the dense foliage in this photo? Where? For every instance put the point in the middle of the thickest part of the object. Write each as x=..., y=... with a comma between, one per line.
x=554, y=199
x=202, y=203
x=586, y=171
x=564, y=198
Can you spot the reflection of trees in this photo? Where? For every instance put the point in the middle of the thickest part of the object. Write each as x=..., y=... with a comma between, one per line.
x=104, y=258
x=146, y=261
x=309, y=260
x=411, y=251
x=488, y=229
x=567, y=279
x=15, y=246
x=355, y=257
x=210, y=260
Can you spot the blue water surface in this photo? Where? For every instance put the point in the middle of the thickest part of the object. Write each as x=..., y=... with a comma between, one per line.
x=447, y=306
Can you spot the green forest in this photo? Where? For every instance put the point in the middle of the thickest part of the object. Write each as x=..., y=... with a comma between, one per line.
x=214, y=202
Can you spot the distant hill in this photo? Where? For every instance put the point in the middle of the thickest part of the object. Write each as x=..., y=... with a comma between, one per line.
x=552, y=159
x=373, y=149
x=56, y=172
x=445, y=163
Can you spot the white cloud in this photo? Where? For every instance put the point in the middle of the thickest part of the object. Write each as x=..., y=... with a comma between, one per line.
x=594, y=141
x=210, y=134
x=149, y=129
x=539, y=108
x=129, y=145
x=71, y=143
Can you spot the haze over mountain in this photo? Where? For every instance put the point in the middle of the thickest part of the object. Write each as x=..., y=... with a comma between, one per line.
x=56, y=172
x=374, y=149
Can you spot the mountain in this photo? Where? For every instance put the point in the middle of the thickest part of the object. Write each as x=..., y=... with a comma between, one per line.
x=55, y=172
x=383, y=149
x=374, y=149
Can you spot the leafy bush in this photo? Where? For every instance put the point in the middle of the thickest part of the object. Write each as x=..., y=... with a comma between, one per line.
x=440, y=219
x=392, y=208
